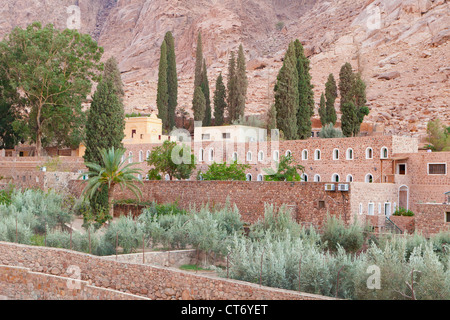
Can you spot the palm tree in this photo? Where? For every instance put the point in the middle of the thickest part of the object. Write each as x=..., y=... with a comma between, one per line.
x=113, y=172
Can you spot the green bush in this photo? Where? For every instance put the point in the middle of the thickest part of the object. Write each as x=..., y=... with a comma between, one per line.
x=129, y=234
x=403, y=212
x=336, y=234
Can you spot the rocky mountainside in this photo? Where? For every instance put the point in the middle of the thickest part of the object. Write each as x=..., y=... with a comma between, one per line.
x=401, y=47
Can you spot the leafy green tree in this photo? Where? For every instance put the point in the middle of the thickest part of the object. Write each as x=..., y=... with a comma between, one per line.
x=288, y=170
x=172, y=159
x=199, y=104
x=206, y=94
x=241, y=83
x=53, y=71
x=172, y=80
x=220, y=104
x=438, y=135
x=224, y=172
x=162, y=95
x=287, y=97
x=331, y=96
x=112, y=172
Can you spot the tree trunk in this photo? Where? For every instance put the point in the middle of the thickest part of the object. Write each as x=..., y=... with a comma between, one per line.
x=38, y=132
x=111, y=201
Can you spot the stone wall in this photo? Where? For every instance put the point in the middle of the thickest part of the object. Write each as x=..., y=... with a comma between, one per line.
x=20, y=283
x=147, y=281
x=309, y=201
x=173, y=259
x=407, y=224
x=430, y=218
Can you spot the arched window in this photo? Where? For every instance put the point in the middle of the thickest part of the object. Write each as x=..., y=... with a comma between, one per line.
x=317, y=155
x=148, y=154
x=141, y=156
x=201, y=155
x=211, y=154
x=139, y=176
x=369, y=178
x=249, y=156
x=167, y=177
x=249, y=177
x=336, y=154
x=360, y=208
x=261, y=156
x=384, y=153
x=305, y=177
x=288, y=153
x=317, y=178
x=130, y=157
x=349, y=178
x=305, y=155
x=369, y=153
x=349, y=154
x=276, y=155
x=235, y=156
x=260, y=177
x=335, y=178
x=122, y=159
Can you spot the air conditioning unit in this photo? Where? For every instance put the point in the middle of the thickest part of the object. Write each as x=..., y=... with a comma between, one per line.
x=330, y=187
x=343, y=187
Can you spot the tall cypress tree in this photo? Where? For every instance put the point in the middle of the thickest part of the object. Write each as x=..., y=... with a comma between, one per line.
x=112, y=72
x=286, y=96
x=198, y=62
x=104, y=129
x=271, y=119
x=330, y=96
x=220, y=104
x=323, y=111
x=206, y=94
x=162, y=96
x=231, y=88
x=172, y=80
x=199, y=104
x=353, y=95
x=305, y=91
x=241, y=84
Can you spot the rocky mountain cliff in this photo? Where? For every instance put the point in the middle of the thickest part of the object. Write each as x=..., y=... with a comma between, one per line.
x=401, y=47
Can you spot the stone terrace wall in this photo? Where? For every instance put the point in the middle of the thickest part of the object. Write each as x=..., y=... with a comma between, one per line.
x=430, y=218
x=148, y=281
x=22, y=284
x=249, y=197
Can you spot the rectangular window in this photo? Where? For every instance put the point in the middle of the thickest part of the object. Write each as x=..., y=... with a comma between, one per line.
x=437, y=168
x=206, y=136
x=447, y=217
x=226, y=135
x=133, y=132
x=402, y=169
x=321, y=204
x=371, y=209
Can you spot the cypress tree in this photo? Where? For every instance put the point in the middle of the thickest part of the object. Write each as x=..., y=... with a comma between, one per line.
x=219, y=101
x=172, y=80
x=304, y=110
x=104, y=129
x=198, y=62
x=306, y=92
x=112, y=72
x=199, y=104
x=241, y=84
x=360, y=102
x=346, y=83
x=349, y=119
x=331, y=95
x=231, y=88
x=271, y=120
x=162, y=97
x=323, y=111
x=206, y=94
x=286, y=96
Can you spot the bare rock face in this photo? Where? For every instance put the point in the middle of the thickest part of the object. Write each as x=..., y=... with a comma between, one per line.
x=387, y=38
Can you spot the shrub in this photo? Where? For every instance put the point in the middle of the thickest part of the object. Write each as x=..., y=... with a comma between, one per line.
x=336, y=234
x=129, y=234
x=403, y=212
x=328, y=131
